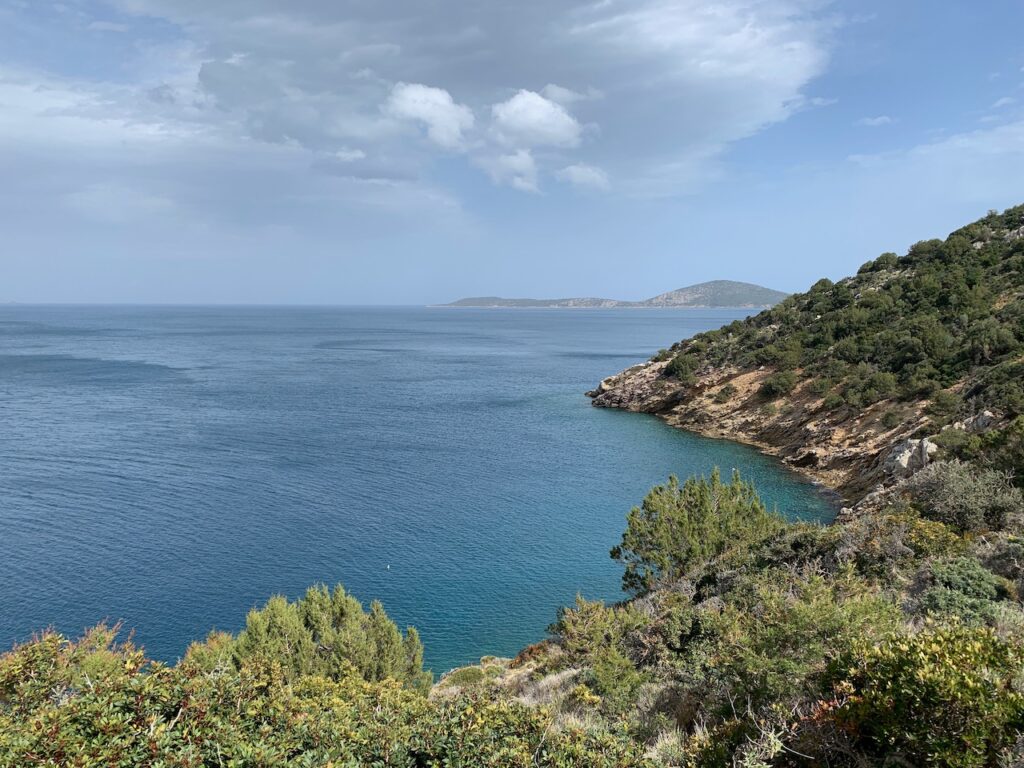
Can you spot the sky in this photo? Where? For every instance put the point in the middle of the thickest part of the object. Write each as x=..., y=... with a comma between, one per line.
x=418, y=151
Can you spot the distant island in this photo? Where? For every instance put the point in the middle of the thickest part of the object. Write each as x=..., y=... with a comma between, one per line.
x=716, y=293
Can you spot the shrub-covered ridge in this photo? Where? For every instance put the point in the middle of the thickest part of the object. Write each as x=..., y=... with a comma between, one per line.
x=930, y=344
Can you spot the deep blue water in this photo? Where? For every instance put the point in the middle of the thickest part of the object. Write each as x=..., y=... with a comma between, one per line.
x=173, y=467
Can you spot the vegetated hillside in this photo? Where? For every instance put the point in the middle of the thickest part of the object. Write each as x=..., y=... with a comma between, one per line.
x=717, y=293
x=836, y=380
x=315, y=683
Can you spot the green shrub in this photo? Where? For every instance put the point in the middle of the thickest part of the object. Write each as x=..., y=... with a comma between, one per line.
x=683, y=367
x=725, y=394
x=778, y=384
x=773, y=641
x=966, y=497
x=97, y=703
x=884, y=543
x=677, y=527
x=891, y=420
x=591, y=625
x=964, y=589
x=946, y=696
x=613, y=677
x=328, y=633
x=944, y=405
x=465, y=677
x=832, y=401
x=821, y=386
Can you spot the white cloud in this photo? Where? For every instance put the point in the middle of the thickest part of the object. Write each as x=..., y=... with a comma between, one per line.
x=1004, y=102
x=567, y=96
x=517, y=169
x=667, y=81
x=530, y=120
x=583, y=175
x=671, y=83
x=875, y=122
x=446, y=120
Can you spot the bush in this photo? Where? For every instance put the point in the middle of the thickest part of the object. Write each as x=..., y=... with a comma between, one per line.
x=964, y=589
x=773, y=641
x=677, y=527
x=328, y=634
x=97, y=703
x=967, y=498
x=944, y=405
x=943, y=696
x=725, y=394
x=778, y=384
x=465, y=677
x=682, y=367
x=821, y=386
x=662, y=355
x=832, y=401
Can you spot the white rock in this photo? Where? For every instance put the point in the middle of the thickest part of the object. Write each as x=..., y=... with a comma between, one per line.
x=909, y=456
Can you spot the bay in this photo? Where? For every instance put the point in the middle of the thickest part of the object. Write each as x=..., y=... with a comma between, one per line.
x=172, y=467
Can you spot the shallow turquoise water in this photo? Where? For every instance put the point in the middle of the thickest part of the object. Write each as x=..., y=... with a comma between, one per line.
x=173, y=467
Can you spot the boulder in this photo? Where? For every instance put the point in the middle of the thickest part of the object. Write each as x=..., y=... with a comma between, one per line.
x=909, y=456
x=980, y=422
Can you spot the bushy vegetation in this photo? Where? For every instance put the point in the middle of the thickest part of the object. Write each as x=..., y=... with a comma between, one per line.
x=97, y=702
x=678, y=526
x=795, y=644
x=944, y=695
x=943, y=323
x=328, y=634
x=967, y=498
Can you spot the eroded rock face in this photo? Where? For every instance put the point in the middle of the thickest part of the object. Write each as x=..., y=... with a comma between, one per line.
x=639, y=388
x=848, y=451
x=908, y=457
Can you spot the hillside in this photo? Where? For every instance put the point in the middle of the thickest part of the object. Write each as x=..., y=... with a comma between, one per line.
x=845, y=380
x=716, y=293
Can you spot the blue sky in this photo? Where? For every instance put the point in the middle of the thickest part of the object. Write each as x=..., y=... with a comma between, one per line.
x=415, y=151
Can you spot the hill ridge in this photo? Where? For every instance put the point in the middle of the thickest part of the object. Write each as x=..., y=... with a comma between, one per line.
x=709, y=294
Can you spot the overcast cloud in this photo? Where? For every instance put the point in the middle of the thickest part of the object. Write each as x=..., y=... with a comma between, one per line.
x=317, y=125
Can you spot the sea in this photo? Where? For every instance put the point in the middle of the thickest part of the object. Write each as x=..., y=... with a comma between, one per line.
x=170, y=468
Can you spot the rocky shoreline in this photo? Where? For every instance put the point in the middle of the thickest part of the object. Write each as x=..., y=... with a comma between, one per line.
x=854, y=454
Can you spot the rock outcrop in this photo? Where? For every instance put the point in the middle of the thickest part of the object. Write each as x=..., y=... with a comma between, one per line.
x=909, y=456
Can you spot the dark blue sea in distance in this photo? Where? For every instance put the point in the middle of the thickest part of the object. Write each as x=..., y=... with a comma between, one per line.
x=174, y=467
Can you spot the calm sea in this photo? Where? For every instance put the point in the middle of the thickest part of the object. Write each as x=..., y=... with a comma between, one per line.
x=173, y=467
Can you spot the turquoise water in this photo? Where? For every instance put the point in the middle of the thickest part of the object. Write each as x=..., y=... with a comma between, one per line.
x=173, y=467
